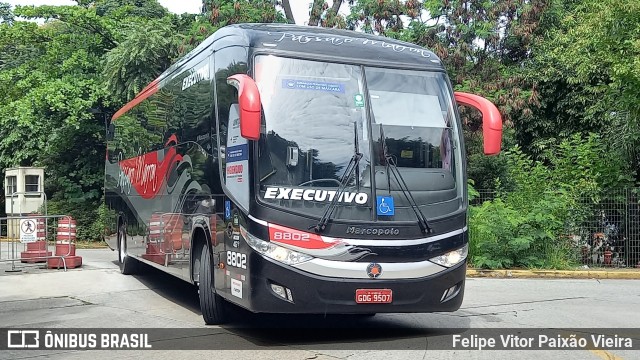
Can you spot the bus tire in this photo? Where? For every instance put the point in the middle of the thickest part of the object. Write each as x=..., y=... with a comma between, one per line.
x=128, y=265
x=212, y=305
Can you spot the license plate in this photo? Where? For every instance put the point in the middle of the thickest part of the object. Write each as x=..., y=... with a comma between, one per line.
x=374, y=296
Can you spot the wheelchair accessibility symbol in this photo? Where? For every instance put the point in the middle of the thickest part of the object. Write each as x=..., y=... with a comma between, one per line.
x=384, y=206
x=227, y=209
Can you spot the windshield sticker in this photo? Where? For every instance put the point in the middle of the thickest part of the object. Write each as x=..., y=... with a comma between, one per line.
x=283, y=193
x=238, y=153
x=384, y=206
x=406, y=154
x=312, y=85
x=358, y=99
x=235, y=173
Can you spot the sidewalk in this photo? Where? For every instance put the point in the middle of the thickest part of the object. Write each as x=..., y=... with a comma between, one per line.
x=596, y=273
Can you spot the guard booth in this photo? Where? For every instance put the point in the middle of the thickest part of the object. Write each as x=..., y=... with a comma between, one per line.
x=24, y=194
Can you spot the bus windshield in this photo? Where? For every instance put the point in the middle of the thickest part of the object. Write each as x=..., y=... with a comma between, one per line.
x=316, y=117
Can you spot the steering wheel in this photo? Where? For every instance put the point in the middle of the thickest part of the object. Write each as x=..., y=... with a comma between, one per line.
x=318, y=180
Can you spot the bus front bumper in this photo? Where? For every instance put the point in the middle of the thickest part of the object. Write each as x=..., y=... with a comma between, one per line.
x=303, y=292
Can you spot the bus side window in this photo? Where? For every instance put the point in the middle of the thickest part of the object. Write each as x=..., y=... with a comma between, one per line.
x=230, y=61
x=113, y=150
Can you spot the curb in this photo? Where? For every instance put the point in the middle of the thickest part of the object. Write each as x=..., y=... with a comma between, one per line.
x=92, y=246
x=555, y=274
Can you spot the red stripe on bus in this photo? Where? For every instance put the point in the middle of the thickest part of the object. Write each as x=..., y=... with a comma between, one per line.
x=151, y=84
x=149, y=90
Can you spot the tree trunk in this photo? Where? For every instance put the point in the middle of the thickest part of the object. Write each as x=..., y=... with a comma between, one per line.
x=287, y=12
x=336, y=6
x=205, y=7
x=316, y=12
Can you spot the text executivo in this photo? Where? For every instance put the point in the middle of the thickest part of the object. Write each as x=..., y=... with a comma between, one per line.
x=284, y=193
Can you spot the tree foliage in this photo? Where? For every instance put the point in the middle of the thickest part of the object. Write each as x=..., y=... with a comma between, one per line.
x=325, y=15
x=478, y=40
x=6, y=14
x=56, y=99
x=149, y=48
x=226, y=12
x=526, y=224
x=588, y=71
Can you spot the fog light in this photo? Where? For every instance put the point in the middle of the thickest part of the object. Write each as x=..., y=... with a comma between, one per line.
x=449, y=293
x=444, y=295
x=279, y=290
x=283, y=292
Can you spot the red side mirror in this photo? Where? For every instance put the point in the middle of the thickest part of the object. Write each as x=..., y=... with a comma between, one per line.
x=491, y=120
x=250, y=106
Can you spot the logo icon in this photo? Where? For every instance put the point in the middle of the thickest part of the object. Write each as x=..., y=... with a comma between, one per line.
x=28, y=226
x=384, y=206
x=374, y=270
x=227, y=209
x=23, y=339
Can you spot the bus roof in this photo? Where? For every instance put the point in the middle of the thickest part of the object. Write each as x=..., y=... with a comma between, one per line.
x=350, y=45
x=315, y=42
x=312, y=42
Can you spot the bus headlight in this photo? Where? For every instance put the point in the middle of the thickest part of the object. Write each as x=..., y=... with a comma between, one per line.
x=273, y=251
x=452, y=257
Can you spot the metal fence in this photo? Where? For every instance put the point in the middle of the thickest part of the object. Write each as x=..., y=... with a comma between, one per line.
x=37, y=241
x=605, y=232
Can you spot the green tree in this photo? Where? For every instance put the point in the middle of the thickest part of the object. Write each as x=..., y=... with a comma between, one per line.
x=52, y=81
x=481, y=42
x=227, y=12
x=219, y=13
x=527, y=223
x=6, y=15
x=321, y=14
x=588, y=71
x=149, y=48
x=149, y=9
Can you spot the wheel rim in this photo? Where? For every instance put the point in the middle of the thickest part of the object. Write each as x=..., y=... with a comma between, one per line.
x=196, y=271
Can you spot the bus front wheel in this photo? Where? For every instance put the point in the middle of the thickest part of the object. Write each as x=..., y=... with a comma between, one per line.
x=211, y=304
x=128, y=265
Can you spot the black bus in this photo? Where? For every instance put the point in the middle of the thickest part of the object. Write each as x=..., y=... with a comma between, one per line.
x=290, y=169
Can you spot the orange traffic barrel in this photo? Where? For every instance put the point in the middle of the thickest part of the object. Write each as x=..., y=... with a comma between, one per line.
x=65, y=245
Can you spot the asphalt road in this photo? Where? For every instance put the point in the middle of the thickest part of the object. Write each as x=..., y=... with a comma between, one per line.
x=98, y=296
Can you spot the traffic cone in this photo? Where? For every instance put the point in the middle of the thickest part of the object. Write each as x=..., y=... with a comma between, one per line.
x=65, y=246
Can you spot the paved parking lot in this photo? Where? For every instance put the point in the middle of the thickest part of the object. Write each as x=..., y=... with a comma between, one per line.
x=98, y=296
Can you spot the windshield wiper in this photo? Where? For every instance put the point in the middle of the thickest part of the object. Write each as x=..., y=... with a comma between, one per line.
x=346, y=178
x=391, y=165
